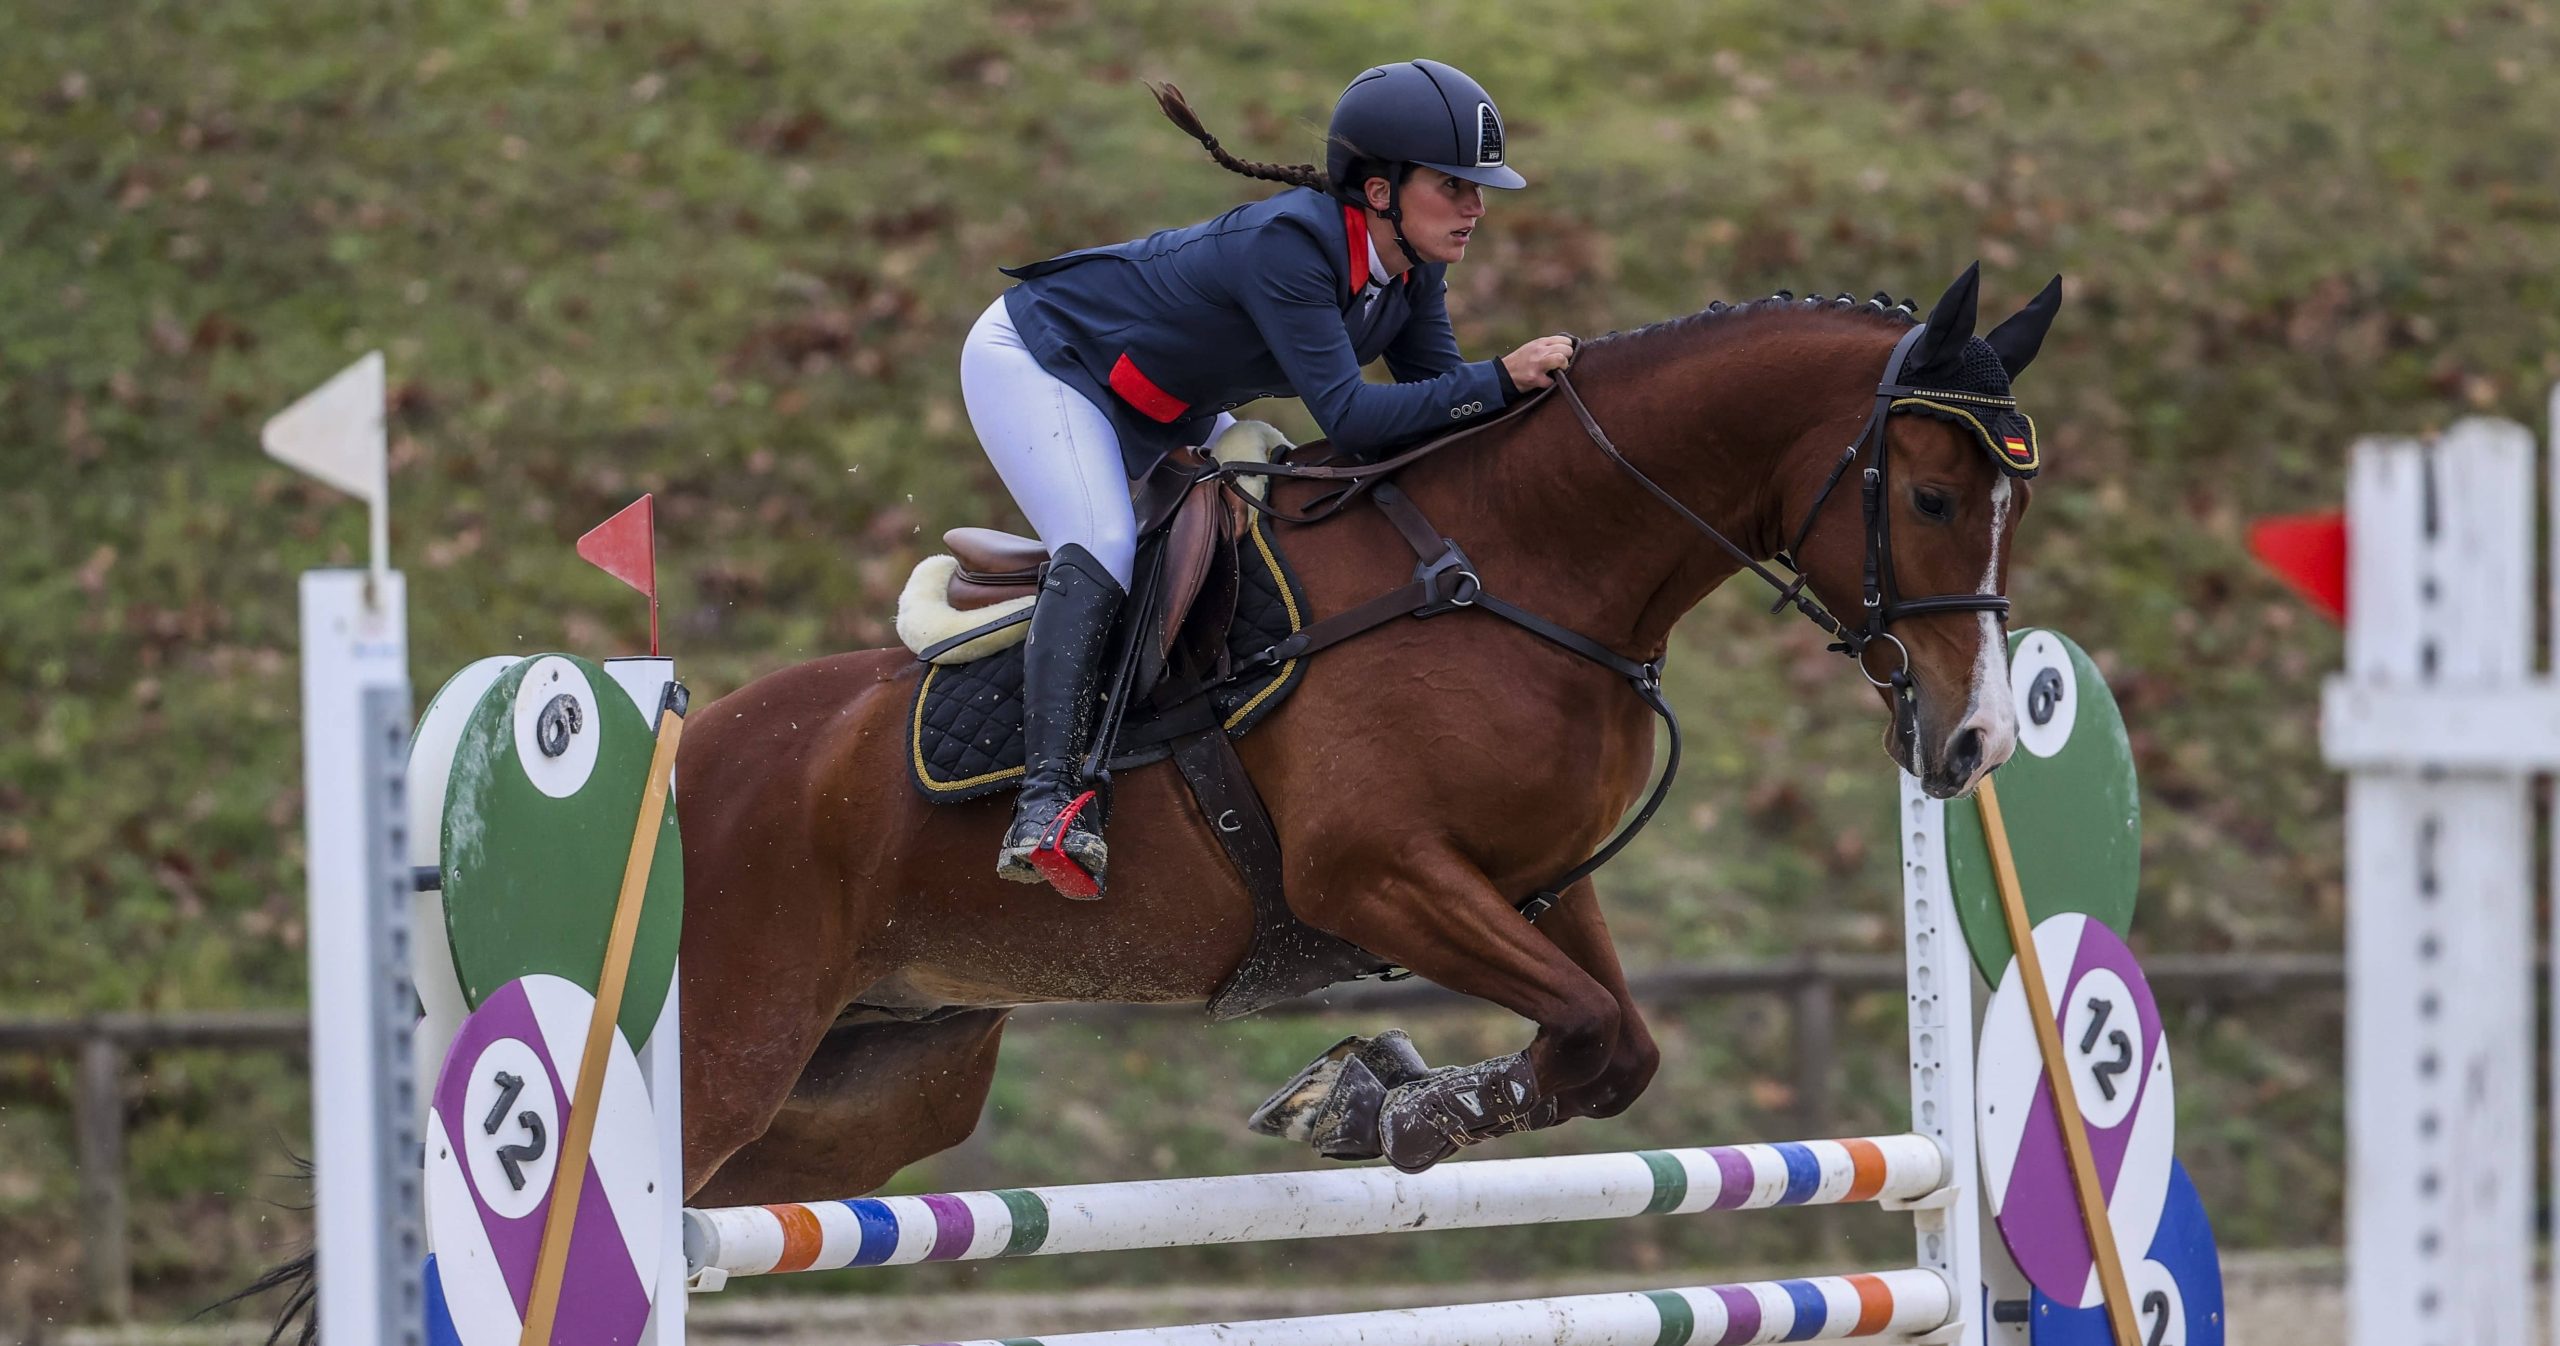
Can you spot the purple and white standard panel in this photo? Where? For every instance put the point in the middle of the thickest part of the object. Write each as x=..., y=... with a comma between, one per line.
x=1887, y=1306
x=1330, y=1203
x=493, y=1146
x=2119, y=1064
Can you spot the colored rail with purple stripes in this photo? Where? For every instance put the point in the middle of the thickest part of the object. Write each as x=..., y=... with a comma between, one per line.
x=1898, y=1304
x=1258, y=1207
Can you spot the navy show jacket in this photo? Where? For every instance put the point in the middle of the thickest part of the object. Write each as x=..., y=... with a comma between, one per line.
x=1267, y=300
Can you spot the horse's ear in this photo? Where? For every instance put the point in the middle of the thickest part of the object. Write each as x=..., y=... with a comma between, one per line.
x=1950, y=325
x=2018, y=337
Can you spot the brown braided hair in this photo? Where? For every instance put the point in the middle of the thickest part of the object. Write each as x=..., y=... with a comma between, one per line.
x=1177, y=110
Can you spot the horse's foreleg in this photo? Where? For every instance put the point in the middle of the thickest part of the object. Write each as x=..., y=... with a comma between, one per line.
x=738, y=1072
x=1439, y=916
x=1576, y=926
x=873, y=1099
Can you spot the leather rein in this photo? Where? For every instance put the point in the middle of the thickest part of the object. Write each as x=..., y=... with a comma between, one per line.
x=1445, y=581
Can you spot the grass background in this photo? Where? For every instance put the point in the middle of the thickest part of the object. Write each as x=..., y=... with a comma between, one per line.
x=727, y=253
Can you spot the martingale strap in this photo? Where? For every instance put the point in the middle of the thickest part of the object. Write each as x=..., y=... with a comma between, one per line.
x=1644, y=676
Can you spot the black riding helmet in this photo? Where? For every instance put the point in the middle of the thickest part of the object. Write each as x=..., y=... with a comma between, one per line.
x=1415, y=112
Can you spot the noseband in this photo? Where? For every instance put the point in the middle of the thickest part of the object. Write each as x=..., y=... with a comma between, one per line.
x=1879, y=600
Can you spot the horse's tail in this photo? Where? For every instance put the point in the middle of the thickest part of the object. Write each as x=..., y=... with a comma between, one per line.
x=300, y=1285
x=298, y=1278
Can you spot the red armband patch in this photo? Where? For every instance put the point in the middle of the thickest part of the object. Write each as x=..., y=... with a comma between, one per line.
x=1141, y=392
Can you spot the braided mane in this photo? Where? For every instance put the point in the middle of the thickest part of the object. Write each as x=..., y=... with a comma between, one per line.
x=1880, y=306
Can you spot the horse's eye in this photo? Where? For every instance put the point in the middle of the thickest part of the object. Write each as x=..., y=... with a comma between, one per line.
x=1932, y=503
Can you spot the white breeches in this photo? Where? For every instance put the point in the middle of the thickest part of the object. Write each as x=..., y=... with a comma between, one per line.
x=1055, y=449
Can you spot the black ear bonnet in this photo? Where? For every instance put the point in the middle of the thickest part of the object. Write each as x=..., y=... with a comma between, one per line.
x=1971, y=391
x=1963, y=379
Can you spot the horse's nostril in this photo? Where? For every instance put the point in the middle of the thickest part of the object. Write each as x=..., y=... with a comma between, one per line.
x=1965, y=753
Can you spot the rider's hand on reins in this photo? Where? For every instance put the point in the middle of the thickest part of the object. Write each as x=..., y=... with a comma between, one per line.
x=1533, y=366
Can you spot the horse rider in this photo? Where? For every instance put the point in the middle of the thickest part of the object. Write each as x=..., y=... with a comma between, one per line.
x=1082, y=377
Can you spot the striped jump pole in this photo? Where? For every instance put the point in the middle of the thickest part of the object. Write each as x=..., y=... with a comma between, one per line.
x=1888, y=1305
x=1331, y=1203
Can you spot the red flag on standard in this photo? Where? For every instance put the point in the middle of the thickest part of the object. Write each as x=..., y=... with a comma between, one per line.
x=626, y=547
x=2309, y=553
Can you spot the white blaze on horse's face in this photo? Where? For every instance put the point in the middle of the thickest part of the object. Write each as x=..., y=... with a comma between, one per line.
x=1990, y=709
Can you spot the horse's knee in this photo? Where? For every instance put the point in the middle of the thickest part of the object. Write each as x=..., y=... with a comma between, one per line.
x=1623, y=1080
x=1576, y=1044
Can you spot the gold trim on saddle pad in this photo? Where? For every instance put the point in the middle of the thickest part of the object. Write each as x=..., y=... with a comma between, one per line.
x=915, y=738
x=1297, y=623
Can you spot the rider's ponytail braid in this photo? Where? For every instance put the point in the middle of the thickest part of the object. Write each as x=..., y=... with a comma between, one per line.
x=1178, y=111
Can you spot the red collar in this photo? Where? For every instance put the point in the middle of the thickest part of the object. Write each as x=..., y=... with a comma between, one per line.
x=1355, y=228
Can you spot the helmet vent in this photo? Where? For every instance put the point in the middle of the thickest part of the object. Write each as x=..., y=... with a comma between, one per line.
x=1488, y=135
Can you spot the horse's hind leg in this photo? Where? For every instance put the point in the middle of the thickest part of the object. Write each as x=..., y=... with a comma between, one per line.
x=875, y=1098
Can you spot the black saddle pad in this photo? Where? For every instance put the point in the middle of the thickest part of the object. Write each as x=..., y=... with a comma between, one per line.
x=965, y=728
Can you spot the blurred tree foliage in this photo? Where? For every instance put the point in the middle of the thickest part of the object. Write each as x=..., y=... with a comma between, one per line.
x=727, y=253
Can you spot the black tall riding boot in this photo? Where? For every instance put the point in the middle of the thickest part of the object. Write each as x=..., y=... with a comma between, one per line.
x=1057, y=823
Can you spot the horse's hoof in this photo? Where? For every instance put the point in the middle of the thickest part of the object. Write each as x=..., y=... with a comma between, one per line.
x=1290, y=1113
x=1346, y=1123
x=1392, y=1058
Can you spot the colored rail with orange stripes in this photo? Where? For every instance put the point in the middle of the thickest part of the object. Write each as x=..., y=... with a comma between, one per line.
x=1259, y=1207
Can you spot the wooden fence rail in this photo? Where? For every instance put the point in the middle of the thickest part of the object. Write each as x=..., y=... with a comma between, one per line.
x=1812, y=985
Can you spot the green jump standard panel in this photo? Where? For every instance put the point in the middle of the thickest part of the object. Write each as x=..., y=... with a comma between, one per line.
x=2069, y=796
x=538, y=817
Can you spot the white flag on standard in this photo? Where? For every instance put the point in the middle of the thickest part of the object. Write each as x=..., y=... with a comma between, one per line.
x=336, y=434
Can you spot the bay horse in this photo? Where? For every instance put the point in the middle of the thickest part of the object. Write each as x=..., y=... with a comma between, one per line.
x=849, y=956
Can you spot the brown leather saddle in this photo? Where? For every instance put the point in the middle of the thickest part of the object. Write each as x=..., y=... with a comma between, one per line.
x=1182, y=514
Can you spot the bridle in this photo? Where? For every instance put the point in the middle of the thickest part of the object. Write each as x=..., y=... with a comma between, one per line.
x=1879, y=600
